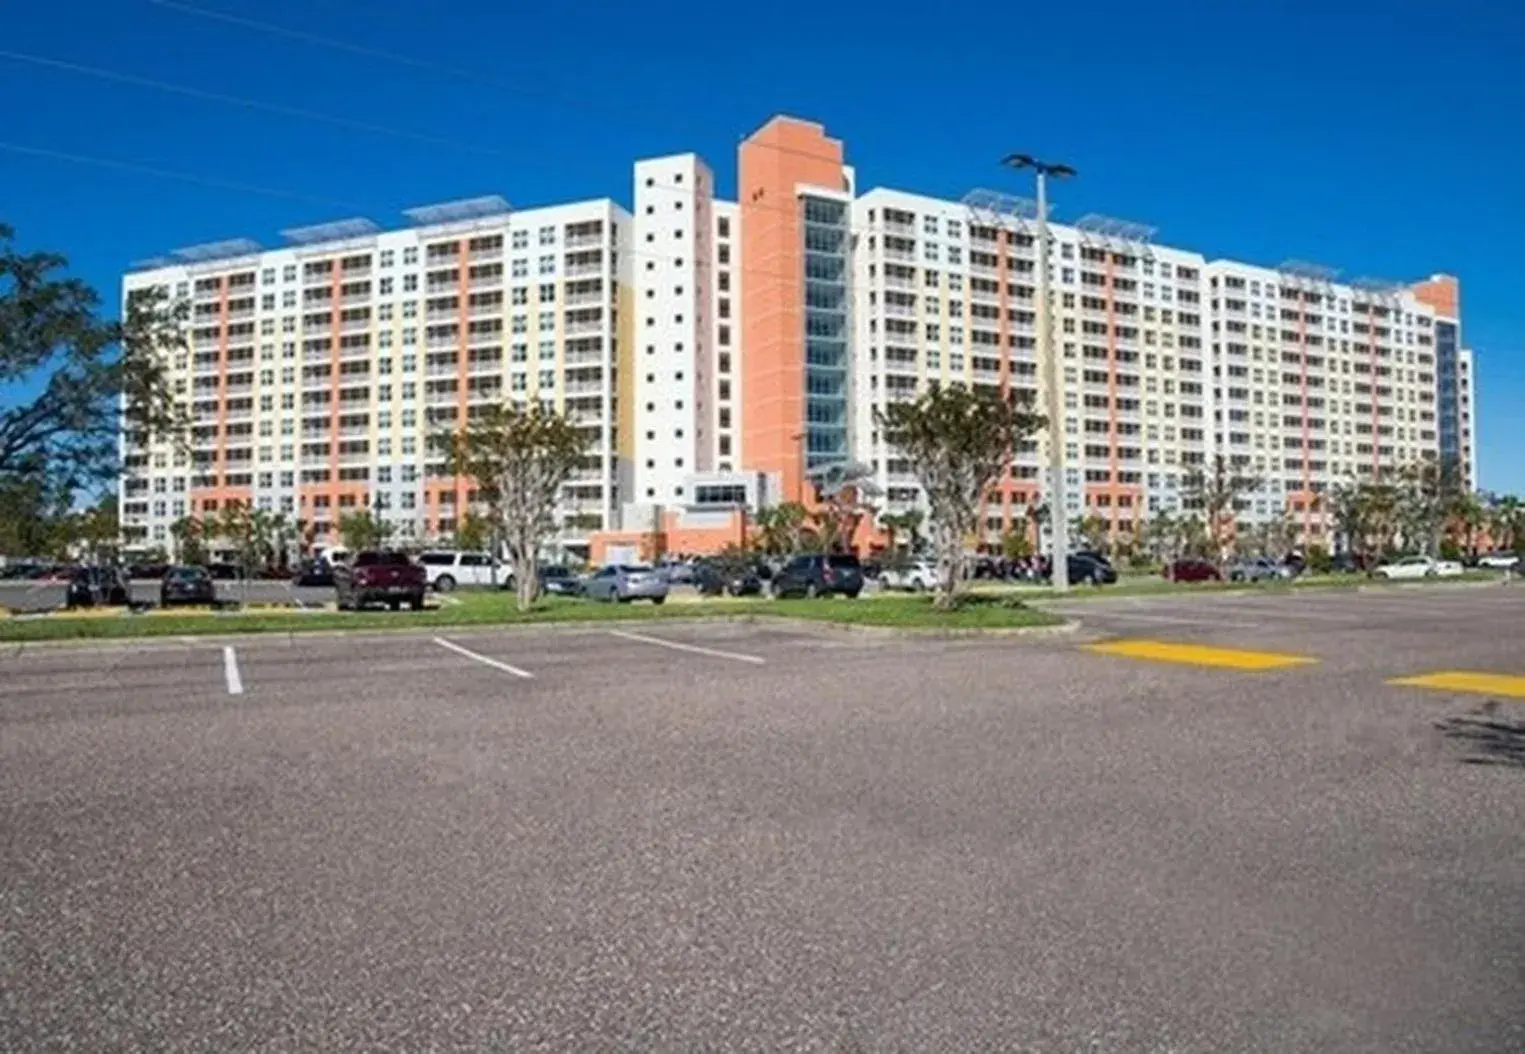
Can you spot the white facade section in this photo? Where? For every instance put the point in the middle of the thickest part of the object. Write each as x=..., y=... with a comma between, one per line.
x=674, y=221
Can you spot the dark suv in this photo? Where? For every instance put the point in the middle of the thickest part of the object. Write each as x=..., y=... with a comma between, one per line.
x=814, y=576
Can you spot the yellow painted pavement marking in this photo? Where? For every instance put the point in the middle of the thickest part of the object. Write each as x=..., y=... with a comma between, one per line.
x=1467, y=681
x=1199, y=654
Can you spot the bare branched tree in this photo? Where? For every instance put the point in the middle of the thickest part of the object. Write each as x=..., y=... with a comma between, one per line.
x=957, y=442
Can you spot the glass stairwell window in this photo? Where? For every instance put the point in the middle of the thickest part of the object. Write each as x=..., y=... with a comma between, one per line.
x=826, y=332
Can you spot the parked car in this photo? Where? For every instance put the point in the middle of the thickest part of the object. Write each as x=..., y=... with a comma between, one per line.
x=448, y=568
x=380, y=576
x=1092, y=569
x=716, y=577
x=559, y=581
x=917, y=576
x=187, y=585
x=1417, y=567
x=819, y=575
x=1348, y=563
x=678, y=572
x=1501, y=560
x=1259, y=569
x=94, y=586
x=1191, y=569
x=314, y=573
x=621, y=583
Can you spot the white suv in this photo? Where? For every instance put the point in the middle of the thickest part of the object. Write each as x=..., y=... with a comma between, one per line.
x=448, y=568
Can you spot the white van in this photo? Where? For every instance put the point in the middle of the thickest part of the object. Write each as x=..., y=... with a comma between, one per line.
x=448, y=568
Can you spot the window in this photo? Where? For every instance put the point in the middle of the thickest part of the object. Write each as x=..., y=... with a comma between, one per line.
x=388, y=257
x=548, y=292
x=548, y=265
x=547, y=235
x=289, y=273
x=410, y=255
x=520, y=268
x=410, y=283
x=384, y=287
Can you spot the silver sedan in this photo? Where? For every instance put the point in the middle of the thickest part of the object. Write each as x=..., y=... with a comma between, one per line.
x=625, y=582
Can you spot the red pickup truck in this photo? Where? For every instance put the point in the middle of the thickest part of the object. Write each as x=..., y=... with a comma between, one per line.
x=380, y=576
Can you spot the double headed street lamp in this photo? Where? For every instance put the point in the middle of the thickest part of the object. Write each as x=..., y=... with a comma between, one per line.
x=1058, y=508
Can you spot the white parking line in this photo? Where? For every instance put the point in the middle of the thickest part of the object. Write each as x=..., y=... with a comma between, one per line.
x=696, y=649
x=483, y=659
x=230, y=671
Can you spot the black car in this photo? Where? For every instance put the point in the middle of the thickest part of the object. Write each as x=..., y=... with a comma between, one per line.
x=96, y=587
x=314, y=573
x=1085, y=568
x=712, y=578
x=187, y=585
x=817, y=575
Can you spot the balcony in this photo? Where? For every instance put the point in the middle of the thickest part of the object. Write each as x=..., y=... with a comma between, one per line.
x=453, y=340
x=448, y=397
x=443, y=369
x=492, y=281
x=584, y=388
x=586, y=357
x=584, y=241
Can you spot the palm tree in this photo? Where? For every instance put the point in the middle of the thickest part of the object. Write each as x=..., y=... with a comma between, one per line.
x=1428, y=490
x=1351, y=508
x=1506, y=522
x=1469, y=514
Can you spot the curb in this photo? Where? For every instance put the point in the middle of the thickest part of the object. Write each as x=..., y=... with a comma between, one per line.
x=558, y=627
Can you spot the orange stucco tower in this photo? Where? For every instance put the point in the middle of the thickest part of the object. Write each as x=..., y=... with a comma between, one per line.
x=795, y=200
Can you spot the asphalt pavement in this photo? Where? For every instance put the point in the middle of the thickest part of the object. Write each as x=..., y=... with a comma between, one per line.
x=736, y=837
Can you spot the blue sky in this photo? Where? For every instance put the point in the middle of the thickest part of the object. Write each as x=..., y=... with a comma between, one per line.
x=1381, y=138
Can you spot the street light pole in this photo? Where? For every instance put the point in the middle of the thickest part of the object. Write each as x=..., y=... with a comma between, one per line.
x=1059, y=546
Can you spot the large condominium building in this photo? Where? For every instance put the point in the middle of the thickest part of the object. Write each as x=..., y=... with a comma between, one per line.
x=724, y=355
x=315, y=374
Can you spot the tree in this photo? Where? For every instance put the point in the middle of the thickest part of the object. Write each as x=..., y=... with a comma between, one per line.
x=1015, y=545
x=1093, y=530
x=1351, y=508
x=189, y=534
x=780, y=528
x=364, y=529
x=93, y=378
x=1506, y=522
x=842, y=495
x=1217, y=491
x=957, y=441
x=473, y=532
x=908, y=521
x=98, y=530
x=1468, y=515
x=1428, y=490
x=520, y=458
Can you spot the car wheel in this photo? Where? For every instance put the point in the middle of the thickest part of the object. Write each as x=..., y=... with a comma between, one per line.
x=416, y=603
x=918, y=586
x=444, y=584
x=1090, y=579
x=852, y=595
x=810, y=591
x=659, y=600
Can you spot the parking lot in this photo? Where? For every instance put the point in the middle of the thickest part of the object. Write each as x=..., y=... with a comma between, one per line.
x=1202, y=823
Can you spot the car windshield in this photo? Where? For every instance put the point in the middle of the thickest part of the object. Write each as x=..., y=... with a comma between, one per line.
x=437, y=559
x=381, y=560
x=186, y=574
x=843, y=560
x=636, y=569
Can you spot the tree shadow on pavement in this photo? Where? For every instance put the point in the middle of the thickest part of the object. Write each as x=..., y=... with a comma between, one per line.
x=1488, y=738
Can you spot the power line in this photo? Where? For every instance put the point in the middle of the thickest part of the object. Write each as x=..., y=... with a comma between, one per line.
x=249, y=104
x=302, y=113
x=164, y=173
x=413, y=62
